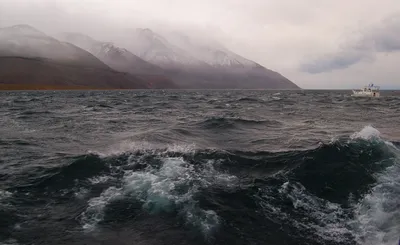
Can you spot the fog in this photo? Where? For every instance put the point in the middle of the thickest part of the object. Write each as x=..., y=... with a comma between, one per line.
x=316, y=44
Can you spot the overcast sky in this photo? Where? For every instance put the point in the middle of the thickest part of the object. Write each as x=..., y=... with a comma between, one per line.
x=315, y=43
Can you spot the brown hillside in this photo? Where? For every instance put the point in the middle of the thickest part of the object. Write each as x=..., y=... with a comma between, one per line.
x=39, y=72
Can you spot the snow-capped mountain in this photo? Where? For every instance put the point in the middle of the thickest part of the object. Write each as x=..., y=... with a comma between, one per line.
x=120, y=59
x=26, y=41
x=210, y=51
x=117, y=58
x=30, y=59
x=154, y=48
x=170, y=60
x=201, y=63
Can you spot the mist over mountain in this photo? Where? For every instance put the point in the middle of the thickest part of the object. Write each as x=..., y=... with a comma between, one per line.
x=236, y=69
x=152, y=60
x=195, y=63
x=120, y=59
x=116, y=57
x=28, y=57
x=26, y=41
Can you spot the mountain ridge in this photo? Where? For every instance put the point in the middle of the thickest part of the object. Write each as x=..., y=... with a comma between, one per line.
x=119, y=59
x=176, y=60
x=26, y=41
x=29, y=56
x=196, y=65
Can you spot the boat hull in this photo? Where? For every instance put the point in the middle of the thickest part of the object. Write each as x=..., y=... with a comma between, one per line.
x=372, y=95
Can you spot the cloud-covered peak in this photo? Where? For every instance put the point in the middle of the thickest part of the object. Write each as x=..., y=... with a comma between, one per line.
x=21, y=29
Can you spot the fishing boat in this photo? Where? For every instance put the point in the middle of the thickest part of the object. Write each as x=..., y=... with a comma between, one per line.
x=367, y=91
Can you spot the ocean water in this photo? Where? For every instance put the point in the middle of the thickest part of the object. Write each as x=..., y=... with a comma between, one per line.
x=199, y=167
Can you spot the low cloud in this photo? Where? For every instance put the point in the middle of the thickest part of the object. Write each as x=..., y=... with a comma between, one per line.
x=381, y=38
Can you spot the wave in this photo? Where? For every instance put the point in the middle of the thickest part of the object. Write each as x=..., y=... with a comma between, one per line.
x=30, y=112
x=223, y=122
x=377, y=214
x=272, y=98
x=340, y=192
x=343, y=192
x=65, y=176
x=248, y=99
x=169, y=186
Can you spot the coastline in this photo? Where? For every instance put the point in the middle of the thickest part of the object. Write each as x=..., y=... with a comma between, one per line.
x=6, y=87
x=44, y=87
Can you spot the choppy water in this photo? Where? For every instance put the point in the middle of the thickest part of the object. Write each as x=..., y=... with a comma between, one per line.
x=199, y=167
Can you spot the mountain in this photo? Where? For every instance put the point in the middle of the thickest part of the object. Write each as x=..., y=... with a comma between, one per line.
x=120, y=59
x=209, y=51
x=200, y=64
x=185, y=70
x=30, y=57
x=26, y=41
x=153, y=48
x=235, y=69
x=148, y=60
x=39, y=73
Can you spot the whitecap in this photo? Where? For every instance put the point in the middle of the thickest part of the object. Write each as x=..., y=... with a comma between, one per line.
x=5, y=194
x=377, y=215
x=367, y=133
x=95, y=210
x=172, y=186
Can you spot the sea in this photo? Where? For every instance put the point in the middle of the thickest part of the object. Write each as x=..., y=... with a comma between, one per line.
x=199, y=167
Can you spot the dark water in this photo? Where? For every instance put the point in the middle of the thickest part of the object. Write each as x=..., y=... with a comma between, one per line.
x=199, y=167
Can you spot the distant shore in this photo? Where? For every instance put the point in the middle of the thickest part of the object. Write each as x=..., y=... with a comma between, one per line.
x=22, y=87
x=48, y=87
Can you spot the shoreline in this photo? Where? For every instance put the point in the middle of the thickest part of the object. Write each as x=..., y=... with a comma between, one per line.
x=44, y=87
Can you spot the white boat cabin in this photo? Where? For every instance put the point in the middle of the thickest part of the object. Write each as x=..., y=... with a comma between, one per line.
x=367, y=91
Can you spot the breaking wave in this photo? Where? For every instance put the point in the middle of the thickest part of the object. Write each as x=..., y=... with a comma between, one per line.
x=342, y=192
x=162, y=181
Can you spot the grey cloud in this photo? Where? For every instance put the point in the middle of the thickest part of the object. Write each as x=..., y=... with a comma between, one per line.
x=387, y=37
x=383, y=37
x=336, y=61
x=278, y=34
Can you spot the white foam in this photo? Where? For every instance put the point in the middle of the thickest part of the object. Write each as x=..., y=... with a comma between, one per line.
x=187, y=148
x=81, y=193
x=152, y=148
x=174, y=185
x=367, y=133
x=5, y=194
x=205, y=220
x=125, y=147
x=171, y=186
x=327, y=224
x=377, y=216
x=95, y=210
x=99, y=179
x=276, y=98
